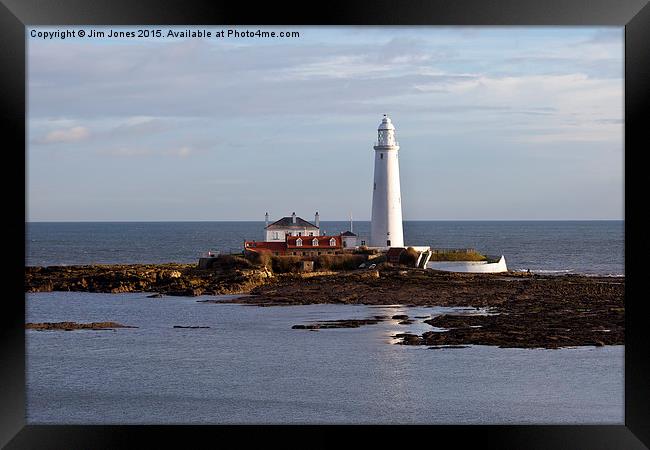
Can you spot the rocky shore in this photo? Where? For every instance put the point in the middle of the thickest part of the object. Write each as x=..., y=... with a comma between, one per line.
x=527, y=310
x=167, y=279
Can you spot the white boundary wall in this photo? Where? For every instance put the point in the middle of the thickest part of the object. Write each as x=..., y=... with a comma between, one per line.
x=469, y=266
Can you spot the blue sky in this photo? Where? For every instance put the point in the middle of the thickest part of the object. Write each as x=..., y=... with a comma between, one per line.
x=494, y=123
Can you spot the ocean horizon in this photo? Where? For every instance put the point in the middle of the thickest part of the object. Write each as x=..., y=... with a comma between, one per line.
x=339, y=220
x=591, y=247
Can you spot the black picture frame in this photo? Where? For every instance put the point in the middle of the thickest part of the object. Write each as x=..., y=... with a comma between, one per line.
x=634, y=15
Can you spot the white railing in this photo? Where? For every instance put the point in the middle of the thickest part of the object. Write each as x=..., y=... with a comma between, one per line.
x=377, y=144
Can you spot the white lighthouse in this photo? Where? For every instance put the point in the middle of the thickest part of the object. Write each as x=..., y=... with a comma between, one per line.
x=386, y=226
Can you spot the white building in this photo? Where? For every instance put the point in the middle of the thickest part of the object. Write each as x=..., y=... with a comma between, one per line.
x=386, y=222
x=350, y=240
x=292, y=226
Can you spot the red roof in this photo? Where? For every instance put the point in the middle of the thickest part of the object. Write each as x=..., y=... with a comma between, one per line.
x=270, y=246
x=281, y=246
x=307, y=241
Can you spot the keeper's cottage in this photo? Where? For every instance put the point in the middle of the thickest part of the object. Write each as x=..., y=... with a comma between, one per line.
x=290, y=226
x=297, y=237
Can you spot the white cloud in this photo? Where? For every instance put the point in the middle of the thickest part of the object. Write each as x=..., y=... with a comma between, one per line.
x=180, y=152
x=539, y=108
x=343, y=66
x=584, y=133
x=141, y=126
x=137, y=120
x=126, y=151
x=73, y=134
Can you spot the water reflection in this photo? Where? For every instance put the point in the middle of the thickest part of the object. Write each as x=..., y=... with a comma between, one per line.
x=252, y=367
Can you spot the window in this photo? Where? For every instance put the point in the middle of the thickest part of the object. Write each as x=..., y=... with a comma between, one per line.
x=275, y=253
x=374, y=186
x=388, y=243
x=314, y=242
x=381, y=156
x=304, y=253
x=299, y=233
x=275, y=235
x=363, y=242
x=319, y=253
x=294, y=253
x=298, y=242
x=311, y=233
x=332, y=242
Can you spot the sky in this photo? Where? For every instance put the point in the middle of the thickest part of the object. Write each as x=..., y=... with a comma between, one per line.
x=494, y=123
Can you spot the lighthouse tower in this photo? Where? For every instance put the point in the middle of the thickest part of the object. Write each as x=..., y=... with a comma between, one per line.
x=386, y=226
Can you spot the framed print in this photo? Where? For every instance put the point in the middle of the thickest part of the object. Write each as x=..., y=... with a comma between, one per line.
x=364, y=215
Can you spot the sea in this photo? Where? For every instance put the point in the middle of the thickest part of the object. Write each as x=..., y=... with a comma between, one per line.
x=553, y=247
x=250, y=367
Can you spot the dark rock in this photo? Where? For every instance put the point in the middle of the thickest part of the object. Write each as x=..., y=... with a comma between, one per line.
x=187, y=292
x=440, y=347
x=69, y=326
x=155, y=296
x=408, y=338
x=411, y=339
x=349, y=323
x=305, y=327
x=400, y=317
x=181, y=326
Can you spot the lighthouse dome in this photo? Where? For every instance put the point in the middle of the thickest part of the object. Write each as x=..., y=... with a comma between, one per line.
x=386, y=124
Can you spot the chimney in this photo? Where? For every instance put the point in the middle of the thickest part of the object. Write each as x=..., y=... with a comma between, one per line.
x=266, y=220
x=293, y=217
x=317, y=220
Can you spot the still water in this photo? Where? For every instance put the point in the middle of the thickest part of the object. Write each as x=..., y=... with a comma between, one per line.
x=251, y=367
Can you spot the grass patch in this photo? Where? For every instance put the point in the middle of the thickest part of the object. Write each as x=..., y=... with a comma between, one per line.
x=287, y=264
x=339, y=262
x=364, y=250
x=262, y=259
x=453, y=255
